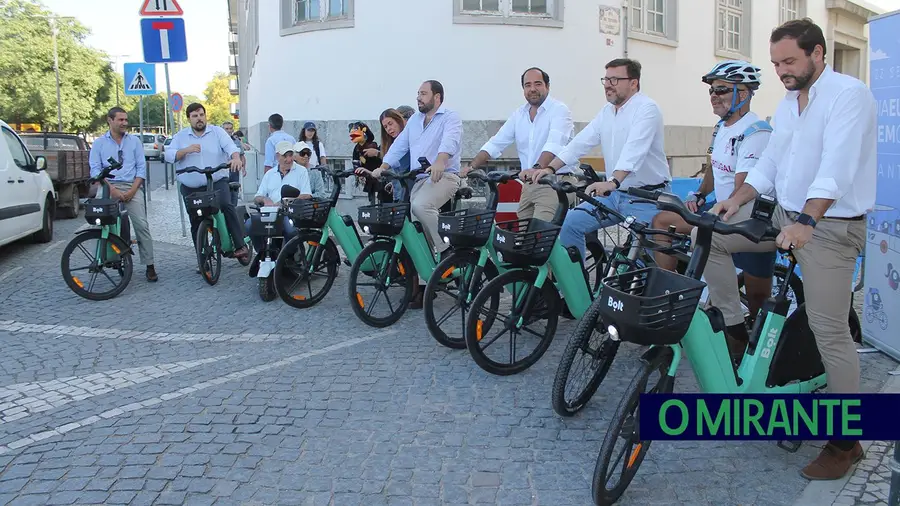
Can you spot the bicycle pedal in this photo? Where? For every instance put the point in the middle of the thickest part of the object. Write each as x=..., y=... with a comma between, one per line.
x=790, y=446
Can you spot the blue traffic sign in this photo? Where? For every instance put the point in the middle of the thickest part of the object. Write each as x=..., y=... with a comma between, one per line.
x=140, y=79
x=176, y=101
x=164, y=40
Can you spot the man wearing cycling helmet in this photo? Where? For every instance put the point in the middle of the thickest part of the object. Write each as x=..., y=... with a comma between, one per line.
x=738, y=140
x=821, y=163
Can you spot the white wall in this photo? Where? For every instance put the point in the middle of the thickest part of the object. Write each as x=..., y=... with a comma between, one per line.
x=397, y=44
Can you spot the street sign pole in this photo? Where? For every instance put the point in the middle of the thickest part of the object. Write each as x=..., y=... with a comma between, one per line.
x=172, y=122
x=141, y=122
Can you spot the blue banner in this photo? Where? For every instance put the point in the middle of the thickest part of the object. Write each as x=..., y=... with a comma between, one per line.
x=773, y=417
x=882, y=271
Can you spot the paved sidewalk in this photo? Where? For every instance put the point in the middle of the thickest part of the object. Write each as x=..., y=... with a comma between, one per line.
x=870, y=483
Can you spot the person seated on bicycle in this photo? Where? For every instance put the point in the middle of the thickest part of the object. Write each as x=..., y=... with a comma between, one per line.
x=737, y=142
x=364, y=140
x=540, y=128
x=440, y=144
x=822, y=166
x=203, y=145
x=302, y=155
x=630, y=131
x=273, y=181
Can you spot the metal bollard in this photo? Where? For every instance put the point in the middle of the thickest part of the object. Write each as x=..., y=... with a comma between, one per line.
x=183, y=210
x=147, y=187
x=894, y=495
x=166, y=174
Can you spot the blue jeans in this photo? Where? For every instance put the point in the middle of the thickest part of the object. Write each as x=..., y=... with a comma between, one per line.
x=760, y=265
x=257, y=240
x=579, y=223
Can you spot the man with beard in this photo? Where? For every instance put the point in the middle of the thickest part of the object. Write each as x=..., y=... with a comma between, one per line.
x=540, y=128
x=202, y=145
x=629, y=130
x=821, y=164
x=435, y=133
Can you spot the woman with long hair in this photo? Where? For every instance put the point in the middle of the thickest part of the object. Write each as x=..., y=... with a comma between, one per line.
x=310, y=135
x=392, y=123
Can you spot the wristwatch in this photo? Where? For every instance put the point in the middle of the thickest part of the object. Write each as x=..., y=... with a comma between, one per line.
x=616, y=182
x=805, y=219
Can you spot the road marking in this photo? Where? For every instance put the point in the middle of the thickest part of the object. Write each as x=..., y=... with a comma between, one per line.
x=25, y=399
x=10, y=273
x=127, y=408
x=54, y=245
x=68, y=330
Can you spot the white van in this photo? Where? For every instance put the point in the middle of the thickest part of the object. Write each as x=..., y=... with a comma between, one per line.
x=27, y=198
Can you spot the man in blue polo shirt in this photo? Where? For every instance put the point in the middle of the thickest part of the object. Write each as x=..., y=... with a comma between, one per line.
x=124, y=183
x=276, y=123
x=203, y=145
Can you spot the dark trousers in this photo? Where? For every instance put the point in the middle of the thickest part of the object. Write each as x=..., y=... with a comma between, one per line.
x=223, y=193
x=234, y=177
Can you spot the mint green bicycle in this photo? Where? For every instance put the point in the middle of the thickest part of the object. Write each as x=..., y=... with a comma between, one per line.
x=399, y=252
x=308, y=263
x=661, y=309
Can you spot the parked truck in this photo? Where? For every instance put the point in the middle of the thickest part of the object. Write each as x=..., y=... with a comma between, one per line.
x=68, y=166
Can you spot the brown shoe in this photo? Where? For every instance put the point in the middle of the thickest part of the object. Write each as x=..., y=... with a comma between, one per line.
x=151, y=273
x=832, y=463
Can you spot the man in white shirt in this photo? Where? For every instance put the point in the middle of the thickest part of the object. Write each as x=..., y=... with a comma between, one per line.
x=821, y=163
x=630, y=131
x=739, y=139
x=269, y=192
x=540, y=128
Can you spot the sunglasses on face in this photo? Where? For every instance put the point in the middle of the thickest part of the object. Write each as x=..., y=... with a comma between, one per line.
x=306, y=152
x=720, y=90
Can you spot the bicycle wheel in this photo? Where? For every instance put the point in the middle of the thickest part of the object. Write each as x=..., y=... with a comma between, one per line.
x=209, y=251
x=591, y=351
x=101, y=254
x=460, y=290
x=625, y=424
x=515, y=321
x=267, y=289
x=384, y=270
x=298, y=284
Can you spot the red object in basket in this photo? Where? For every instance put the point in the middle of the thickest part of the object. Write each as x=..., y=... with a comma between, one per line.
x=509, y=194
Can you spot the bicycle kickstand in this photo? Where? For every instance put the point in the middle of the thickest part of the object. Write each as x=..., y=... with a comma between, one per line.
x=790, y=446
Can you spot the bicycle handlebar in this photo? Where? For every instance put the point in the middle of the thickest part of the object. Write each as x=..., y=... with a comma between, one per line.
x=495, y=176
x=753, y=229
x=207, y=170
x=105, y=173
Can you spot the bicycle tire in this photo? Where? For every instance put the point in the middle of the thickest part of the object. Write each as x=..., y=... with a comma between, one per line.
x=266, y=289
x=581, y=337
x=329, y=256
x=497, y=285
x=460, y=259
x=659, y=361
x=405, y=269
x=211, y=277
x=125, y=257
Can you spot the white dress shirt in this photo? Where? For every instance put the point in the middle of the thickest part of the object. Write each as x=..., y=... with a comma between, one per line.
x=631, y=139
x=827, y=152
x=550, y=131
x=272, y=181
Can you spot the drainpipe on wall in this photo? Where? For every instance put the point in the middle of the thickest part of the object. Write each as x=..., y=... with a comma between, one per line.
x=625, y=29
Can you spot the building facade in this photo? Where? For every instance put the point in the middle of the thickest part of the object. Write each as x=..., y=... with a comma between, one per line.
x=337, y=61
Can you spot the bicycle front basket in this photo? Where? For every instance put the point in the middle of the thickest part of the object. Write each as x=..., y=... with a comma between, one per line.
x=101, y=211
x=309, y=213
x=526, y=242
x=384, y=220
x=650, y=306
x=202, y=204
x=466, y=228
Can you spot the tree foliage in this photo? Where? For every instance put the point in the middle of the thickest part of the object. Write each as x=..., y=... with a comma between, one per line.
x=27, y=77
x=219, y=100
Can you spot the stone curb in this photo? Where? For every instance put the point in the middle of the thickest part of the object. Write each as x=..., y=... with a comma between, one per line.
x=824, y=493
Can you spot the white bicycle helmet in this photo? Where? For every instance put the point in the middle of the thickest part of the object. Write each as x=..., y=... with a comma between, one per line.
x=734, y=71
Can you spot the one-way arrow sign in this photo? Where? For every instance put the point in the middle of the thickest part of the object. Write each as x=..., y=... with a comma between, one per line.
x=161, y=8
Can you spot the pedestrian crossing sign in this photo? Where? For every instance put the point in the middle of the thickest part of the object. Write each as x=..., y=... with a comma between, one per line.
x=140, y=79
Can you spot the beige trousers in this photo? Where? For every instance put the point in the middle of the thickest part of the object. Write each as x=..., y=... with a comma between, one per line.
x=827, y=263
x=426, y=198
x=137, y=215
x=539, y=201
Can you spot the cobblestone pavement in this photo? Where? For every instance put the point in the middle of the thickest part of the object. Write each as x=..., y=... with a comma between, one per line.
x=871, y=481
x=180, y=393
